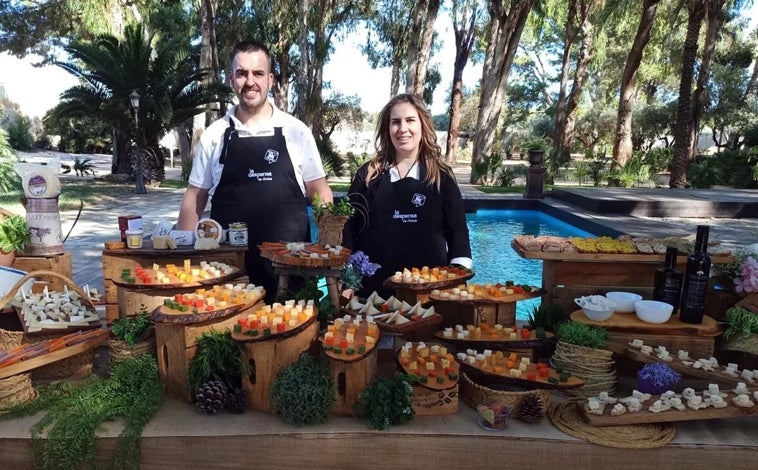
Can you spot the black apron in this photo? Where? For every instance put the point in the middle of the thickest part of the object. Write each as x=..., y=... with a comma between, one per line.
x=258, y=186
x=405, y=229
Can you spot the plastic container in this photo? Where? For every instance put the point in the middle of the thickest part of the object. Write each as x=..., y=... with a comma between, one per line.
x=493, y=418
x=134, y=239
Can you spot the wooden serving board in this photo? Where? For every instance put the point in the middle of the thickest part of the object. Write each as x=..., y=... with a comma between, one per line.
x=360, y=332
x=488, y=376
x=389, y=283
x=645, y=416
x=629, y=323
x=487, y=342
x=411, y=325
x=278, y=253
x=68, y=328
x=36, y=355
x=246, y=334
x=677, y=364
x=485, y=298
x=175, y=282
x=166, y=314
x=415, y=355
x=605, y=257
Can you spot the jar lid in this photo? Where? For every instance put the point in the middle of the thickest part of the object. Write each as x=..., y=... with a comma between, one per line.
x=209, y=228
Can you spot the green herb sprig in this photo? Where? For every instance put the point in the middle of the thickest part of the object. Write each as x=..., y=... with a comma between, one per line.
x=580, y=334
x=741, y=321
x=386, y=401
x=130, y=329
x=304, y=392
x=217, y=358
x=547, y=317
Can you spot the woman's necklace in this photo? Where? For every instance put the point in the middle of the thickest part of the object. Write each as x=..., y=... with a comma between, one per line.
x=408, y=171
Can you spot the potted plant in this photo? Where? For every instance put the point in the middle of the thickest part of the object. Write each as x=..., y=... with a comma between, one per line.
x=331, y=218
x=131, y=336
x=13, y=236
x=536, y=147
x=657, y=378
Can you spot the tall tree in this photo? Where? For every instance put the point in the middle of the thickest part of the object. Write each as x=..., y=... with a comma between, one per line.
x=683, y=126
x=465, y=14
x=420, y=45
x=578, y=27
x=390, y=23
x=504, y=32
x=622, y=143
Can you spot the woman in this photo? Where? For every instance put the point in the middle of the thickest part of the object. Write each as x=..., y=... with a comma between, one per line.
x=415, y=213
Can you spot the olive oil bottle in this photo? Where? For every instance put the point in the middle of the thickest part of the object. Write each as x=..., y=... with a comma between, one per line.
x=668, y=280
x=696, y=279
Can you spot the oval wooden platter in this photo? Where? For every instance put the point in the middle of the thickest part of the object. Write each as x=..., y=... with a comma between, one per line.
x=629, y=323
x=401, y=328
x=175, y=282
x=487, y=342
x=389, y=283
x=645, y=416
x=165, y=314
x=278, y=252
x=488, y=375
x=352, y=352
x=678, y=365
x=416, y=356
x=247, y=335
x=484, y=297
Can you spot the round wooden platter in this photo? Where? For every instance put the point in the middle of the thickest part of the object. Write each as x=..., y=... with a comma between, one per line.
x=175, y=283
x=431, y=383
x=277, y=252
x=629, y=323
x=500, y=343
x=485, y=298
x=360, y=335
x=245, y=337
x=427, y=286
x=678, y=365
x=487, y=376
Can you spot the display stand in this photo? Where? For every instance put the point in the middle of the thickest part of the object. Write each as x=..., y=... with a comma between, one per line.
x=331, y=274
x=481, y=310
x=125, y=301
x=351, y=378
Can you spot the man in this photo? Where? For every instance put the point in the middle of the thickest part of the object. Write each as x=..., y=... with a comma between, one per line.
x=257, y=164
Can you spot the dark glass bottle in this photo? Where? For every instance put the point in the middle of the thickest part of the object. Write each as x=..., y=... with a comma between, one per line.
x=696, y=279
x=668, y=280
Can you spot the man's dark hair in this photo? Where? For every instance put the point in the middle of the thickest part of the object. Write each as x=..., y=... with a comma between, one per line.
x=250, y=46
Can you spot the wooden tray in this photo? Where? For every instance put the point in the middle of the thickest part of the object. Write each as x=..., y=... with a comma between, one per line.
x=360, y=340
x=648, y=417
x=677, y=364
x=176, y=283
x=243, y=337
x=499, y=344
x=488, y=299
x=278, y=253
x=164, y=314
x=629, y=323
x=486, y=377
x=625, y=257
x=412, y=325
x=36, y=355
x=431, y=383
x=426, y=286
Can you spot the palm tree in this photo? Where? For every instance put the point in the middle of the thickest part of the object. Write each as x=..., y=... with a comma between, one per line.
x=162, y=70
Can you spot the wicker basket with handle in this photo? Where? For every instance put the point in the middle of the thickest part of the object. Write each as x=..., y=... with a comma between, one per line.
x=474, y=395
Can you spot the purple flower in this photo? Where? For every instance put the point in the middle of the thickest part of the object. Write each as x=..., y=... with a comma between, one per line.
x=659, y=374
x=748, y=282
x=357, y=267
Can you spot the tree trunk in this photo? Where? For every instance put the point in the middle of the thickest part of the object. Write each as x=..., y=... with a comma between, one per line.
x=303, y=70
x=208, y=60
x=417, y=19
x=464, y=40
x=622, y=144
x=504, y=36
x=422, y=58
x=713, y=25
x=395, y=80
x=120, y=160
x=683, y=125
x=561, y=112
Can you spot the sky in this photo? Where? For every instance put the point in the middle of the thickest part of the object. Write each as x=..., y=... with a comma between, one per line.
x=36, y=89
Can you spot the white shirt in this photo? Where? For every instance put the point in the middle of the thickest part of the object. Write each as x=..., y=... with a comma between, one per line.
x=306, y=161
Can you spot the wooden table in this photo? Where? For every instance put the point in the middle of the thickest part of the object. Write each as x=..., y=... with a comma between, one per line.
x=116, y=260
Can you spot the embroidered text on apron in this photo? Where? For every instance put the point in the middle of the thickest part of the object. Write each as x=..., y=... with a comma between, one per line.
x=404, y=229
x=258, y=186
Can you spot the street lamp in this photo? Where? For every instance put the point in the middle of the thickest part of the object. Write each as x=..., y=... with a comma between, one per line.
x=139, y=180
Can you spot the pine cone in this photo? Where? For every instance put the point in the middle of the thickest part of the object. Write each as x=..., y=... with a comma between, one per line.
x=211, y=396
x=236, y=401
x=531, y=409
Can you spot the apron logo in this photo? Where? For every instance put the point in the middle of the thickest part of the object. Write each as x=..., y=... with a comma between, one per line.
x=260, y=176
x=418, y=200
x=271, y=156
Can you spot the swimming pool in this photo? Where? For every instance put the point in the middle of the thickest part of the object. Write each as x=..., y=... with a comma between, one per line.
x=491, y=232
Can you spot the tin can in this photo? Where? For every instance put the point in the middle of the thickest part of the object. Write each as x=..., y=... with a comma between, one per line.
x=238, y=234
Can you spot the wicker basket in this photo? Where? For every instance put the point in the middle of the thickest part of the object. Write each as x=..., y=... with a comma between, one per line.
x=474, y=394
x=119, y=349
x=595, y=367
x=17, y=389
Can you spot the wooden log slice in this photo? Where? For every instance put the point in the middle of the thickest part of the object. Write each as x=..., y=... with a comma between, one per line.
x=246, y=335
x=278, y=253
x=360, y=341
x=407, y=358
x=484, y=297
x=175, y=282
x=488, y=375
x=390, y=283
x=501, y=343
x=165, y=314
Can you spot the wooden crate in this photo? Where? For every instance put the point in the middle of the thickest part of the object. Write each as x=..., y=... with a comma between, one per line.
x=266, y=357
x=426, y=402
x=176, y=345
x=60, y=264
x=116, y=260
x=351, y=378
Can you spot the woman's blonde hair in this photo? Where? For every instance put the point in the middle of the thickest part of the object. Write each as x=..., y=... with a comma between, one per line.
x=429, y=153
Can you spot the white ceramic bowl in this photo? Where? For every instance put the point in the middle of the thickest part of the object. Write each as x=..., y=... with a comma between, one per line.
x=624, y=300
x=9, y=277
x=653, y=311
x=596, y=307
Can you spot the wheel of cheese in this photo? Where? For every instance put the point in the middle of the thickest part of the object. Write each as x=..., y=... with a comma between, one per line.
x=41, y=183
x=209, y=228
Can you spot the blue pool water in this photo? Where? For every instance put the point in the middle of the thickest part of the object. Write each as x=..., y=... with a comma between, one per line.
x=491, y=233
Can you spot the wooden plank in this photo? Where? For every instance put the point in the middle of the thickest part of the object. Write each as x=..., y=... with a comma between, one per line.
x=669, y=416
x=500, y=344
x=679, y=366
x=629, y=323
x=610, y=257
x=699, y=346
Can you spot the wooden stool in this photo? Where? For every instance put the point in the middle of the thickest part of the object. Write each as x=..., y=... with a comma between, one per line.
x=332, y=279
x=351, y=378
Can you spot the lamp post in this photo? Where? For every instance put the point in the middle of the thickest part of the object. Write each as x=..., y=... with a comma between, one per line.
x=139, y=180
